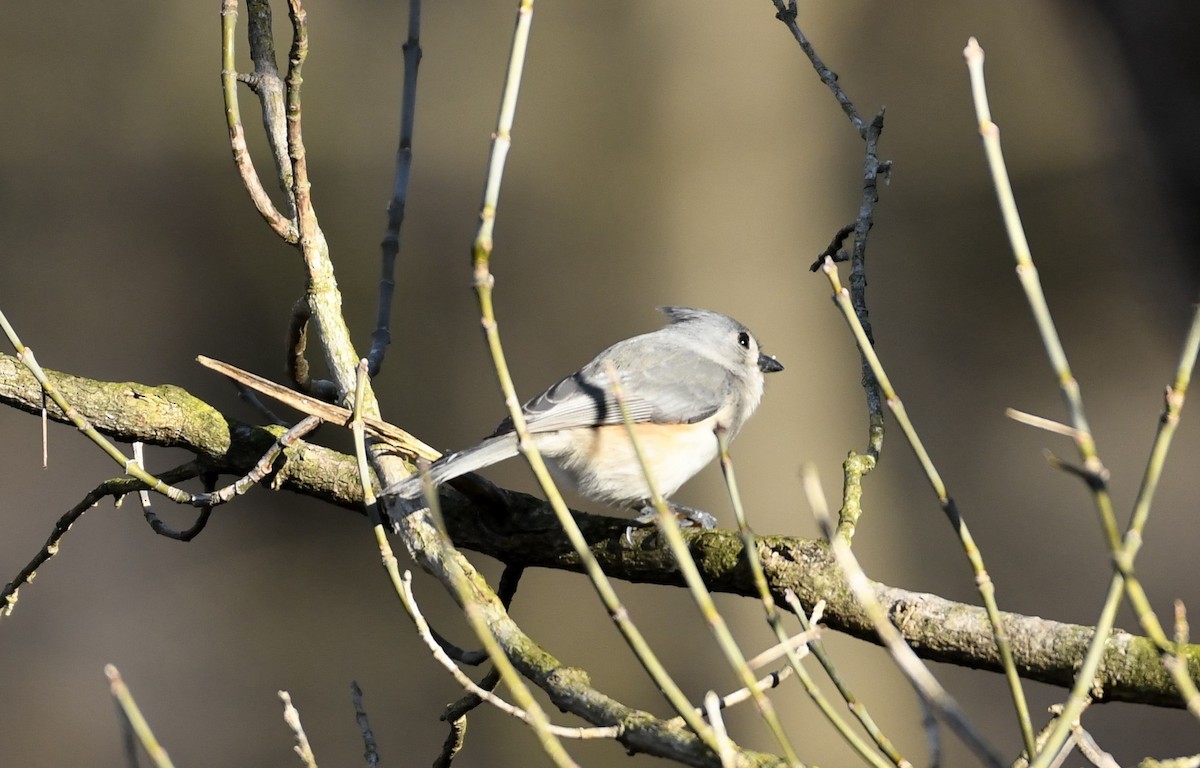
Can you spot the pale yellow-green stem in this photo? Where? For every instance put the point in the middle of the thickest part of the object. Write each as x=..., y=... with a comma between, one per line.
x=983, y=581
x=906, y=659
x=668, y=526
x=136, y=721
x=131, y=467
x=291, y=716
x=1123, y=581
x=483, y=282
x=775, y=620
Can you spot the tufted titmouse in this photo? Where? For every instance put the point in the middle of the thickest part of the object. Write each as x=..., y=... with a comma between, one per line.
x=680, y=383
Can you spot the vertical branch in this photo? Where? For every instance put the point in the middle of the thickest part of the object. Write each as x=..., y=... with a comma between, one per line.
x=786, y=11
x=481, y=253
x=872, y=168
x=1027, y=274
x=983, y=581
x=266, y=83
x=133, y=715
x=324, y=299
x=390, y=247
x=775, y=621
x=1069, y=387
x=281, y=224
x=1173, y=401
x=1124, y=580
x=906, y=660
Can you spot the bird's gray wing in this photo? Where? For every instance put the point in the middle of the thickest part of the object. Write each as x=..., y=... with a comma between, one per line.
x=660, y=383
x=678, y=387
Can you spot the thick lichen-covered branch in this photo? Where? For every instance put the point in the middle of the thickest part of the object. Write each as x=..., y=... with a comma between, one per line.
x=520, y=529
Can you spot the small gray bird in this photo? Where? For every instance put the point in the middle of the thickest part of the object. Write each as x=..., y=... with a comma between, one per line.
x=702, y=371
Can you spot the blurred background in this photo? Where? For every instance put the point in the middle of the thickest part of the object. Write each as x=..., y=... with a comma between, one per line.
x=664, y=153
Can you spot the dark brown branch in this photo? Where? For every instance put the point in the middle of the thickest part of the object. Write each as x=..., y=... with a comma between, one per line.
x=390, y=245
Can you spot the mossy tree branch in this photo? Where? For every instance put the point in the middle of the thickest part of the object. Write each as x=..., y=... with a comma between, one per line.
x=519, y=529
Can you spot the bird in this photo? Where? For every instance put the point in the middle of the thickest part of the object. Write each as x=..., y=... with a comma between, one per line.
x=702, y=372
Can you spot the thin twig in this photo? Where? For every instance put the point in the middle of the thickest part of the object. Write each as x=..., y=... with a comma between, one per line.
x=933, y=735
x=390, y=246
x=131, y=467
x=775, y=620
x=1091, y=750
x=453, y=743
x=405, y=443
x=1041, y=422
x=298, y=368
x=116, y=487
x=187, y=534
x=917, y=673
x=506, y=590
x=486, y=695
x=712, y=708
x=291, y=716
x=786, y=12
x=668, y=526
x=856, y=707
x=370, y=748
x=1124, y=580
x=1173, y=402
x=534, y=715
x=139, y=455
x=481, y=253
x=133, y=716
x=983, y=580
x=1176, y=661
x=281, y=224
x=269, y=87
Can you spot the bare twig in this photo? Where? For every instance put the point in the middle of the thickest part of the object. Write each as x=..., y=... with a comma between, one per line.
x=668, y=526
x=933, y=735
x=453, y=743
x=1124, y=580
x=873, y=168
x=390, y=246
x=187, y=534
x=395, y=436
x=712, y=709
x=1041, y=422
x=298, y=368
x=775, y=620
x=481, y=253
x=131, y=467
x=370, y=748
x=1091, y=750
x=261, y=82
x=291, y=716
x=983, y=581
x=479, y=691
x=917, y=673
x=133, y=715
x=856, y=707
x=786, y=11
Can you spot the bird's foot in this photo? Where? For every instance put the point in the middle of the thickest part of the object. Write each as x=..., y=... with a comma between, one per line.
x=688, y=517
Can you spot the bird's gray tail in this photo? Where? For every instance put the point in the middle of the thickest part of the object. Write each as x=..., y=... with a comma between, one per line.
x=489, y=452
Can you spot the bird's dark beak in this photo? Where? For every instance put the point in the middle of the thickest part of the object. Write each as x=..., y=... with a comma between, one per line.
x=768, y=364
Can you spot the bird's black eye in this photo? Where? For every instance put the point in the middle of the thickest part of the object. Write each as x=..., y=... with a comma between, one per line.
x=744, y=339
